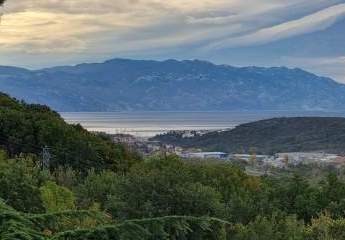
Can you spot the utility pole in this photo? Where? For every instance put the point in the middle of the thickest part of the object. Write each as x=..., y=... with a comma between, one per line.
x=46, y=157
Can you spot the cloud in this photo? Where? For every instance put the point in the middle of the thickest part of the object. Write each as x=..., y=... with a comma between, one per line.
x=126, y=22
x=237, y=11
x=331, y=66
x=77, y=30
x=314, y=22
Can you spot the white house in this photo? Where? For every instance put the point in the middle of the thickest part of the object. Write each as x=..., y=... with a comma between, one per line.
x=205, y=155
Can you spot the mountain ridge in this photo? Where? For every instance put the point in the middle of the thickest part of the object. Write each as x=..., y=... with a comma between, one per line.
x=189, y=85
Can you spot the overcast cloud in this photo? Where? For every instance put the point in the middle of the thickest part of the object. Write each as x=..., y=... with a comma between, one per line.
x=40, y=33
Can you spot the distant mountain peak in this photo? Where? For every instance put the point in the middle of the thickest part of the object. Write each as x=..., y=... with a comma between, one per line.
x=188, y=85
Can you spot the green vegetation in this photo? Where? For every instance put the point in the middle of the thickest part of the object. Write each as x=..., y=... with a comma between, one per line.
x=270, y=136
x=27, y=128
x=167, y=198
x=99, y=190
x=56, y=198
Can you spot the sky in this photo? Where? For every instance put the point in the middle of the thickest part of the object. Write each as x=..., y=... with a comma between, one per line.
x=308, y=34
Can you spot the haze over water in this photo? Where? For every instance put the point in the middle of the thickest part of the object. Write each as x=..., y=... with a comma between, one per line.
x=147, y=124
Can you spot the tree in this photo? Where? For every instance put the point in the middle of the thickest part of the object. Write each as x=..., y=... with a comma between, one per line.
x=162, y=187
x=97, y=187
x=19, y=184
x=275, y=228
x=325, y=228
x=25, y=128
x=56, y=198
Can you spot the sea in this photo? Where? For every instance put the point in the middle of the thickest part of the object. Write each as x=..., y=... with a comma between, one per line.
x=148, y=124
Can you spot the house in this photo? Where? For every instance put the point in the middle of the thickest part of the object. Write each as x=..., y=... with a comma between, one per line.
x=205, y=155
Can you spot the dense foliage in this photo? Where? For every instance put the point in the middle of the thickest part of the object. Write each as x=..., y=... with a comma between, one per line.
x=271, y=136
x=28, y=128
x=97, y=190
x=166, y=198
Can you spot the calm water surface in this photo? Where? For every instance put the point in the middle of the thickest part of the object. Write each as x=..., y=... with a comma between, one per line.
x=148, y=124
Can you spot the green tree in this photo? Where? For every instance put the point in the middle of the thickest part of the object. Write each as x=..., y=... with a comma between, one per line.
x=326, y=228
x=297, y=196
x=56, y=198
x=162, y=186
x=19, y=181
x=97, y=187
x=274, y=228
x=25, y=128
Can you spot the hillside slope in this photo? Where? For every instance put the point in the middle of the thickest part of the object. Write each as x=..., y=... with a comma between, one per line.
x=121, y=84
x=26, y=128
x=271, y=136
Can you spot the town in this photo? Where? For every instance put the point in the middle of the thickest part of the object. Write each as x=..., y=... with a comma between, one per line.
x=278, y=160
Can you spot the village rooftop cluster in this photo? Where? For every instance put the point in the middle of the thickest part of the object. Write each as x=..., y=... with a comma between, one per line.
x=277, y=160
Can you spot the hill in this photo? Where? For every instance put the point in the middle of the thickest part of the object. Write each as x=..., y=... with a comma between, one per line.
x=271, y=136
x=125, y=85
x=161, y=197
x=27, y=128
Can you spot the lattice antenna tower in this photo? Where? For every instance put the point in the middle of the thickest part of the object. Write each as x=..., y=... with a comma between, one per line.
x=46, y=158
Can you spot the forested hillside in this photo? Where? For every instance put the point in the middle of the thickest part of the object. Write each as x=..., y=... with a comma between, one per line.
x=270, y=136
x=97, y=190
x=26, y=128
x=166, y=198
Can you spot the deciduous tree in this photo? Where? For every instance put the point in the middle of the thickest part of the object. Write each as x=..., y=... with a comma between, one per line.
x=56, y=198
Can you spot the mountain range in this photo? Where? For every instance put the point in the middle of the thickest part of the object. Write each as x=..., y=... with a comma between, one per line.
x=191, y=85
